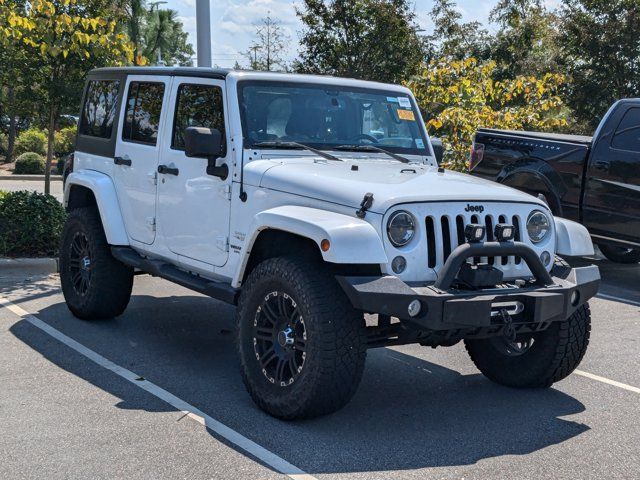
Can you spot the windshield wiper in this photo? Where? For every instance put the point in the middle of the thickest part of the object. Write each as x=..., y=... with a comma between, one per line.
x=371, y=148
x=296, y=146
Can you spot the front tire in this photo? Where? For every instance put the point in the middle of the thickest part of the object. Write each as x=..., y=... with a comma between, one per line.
x=534, y=360
x=95, y=285
x=620, y=254
x=302, y=346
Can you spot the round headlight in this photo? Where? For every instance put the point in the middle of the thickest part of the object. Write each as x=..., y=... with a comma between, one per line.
x=401, y=228
x=538, y=226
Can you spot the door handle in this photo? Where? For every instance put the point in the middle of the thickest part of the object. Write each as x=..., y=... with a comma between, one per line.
x=602, y=165
x=122, y=161
x=168, y=170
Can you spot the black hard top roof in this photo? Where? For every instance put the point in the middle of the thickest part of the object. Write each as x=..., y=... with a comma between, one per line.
x=170, y=71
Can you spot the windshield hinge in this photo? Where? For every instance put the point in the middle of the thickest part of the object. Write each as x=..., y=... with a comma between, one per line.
x=367, y=201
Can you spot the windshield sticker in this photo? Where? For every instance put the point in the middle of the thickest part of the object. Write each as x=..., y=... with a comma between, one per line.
x=406, y=115
x=404, y=102
x=392, y=99
x=419, y=143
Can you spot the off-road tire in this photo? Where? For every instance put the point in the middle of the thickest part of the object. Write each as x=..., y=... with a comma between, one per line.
x=335, y=345
x=109, y=286
x=555, y=353
x=620, y=254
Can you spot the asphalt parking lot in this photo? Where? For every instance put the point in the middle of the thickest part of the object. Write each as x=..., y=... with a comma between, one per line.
x=126, y=398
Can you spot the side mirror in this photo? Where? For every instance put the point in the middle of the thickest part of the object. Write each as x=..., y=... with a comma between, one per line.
x=201, y=142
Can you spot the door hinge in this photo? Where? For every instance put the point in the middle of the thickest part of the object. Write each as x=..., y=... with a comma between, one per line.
x=151, y=223
x=222, y=243
x=153, y=177
x=226, y=191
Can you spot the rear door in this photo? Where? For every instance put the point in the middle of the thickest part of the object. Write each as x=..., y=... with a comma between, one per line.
x=137, y=153
x=194, y=207
x=611, y=206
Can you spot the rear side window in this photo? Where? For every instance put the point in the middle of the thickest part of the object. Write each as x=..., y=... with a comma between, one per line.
x=142, y=120
x=627, y=136
x=197, y=106
x=99, y=109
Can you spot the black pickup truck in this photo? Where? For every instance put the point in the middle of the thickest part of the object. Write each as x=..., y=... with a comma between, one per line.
x=593, y=180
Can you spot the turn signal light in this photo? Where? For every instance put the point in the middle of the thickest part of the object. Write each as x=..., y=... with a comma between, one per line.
x=325, y=245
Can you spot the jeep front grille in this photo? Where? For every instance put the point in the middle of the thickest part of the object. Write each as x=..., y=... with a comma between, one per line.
x=449, y=232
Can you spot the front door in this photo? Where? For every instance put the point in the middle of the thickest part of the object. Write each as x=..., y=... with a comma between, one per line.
x=137, y=153
x=193, y=207
x=611, y=207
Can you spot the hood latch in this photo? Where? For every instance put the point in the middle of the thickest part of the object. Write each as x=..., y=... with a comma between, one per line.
x=367, y=201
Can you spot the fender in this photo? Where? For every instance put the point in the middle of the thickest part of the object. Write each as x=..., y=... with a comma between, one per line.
x=542, y=172
x=572, y=239
x=104, y=192
x=352, y=240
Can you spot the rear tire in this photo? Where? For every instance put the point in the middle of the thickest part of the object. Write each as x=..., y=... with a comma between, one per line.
x=95, y=285
x=552, y=355
x=620, y=254
x=302, y=346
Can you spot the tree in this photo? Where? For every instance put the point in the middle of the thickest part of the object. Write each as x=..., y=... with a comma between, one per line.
x=64, y=39
x=461, y=96
x=527, y=42
x=453, y=39
x=269, y=45
x=156, y=34
x=601, y=41
x=165, y=39
x=367, y=39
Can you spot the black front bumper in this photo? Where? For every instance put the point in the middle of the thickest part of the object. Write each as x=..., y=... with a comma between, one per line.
x=545, y=298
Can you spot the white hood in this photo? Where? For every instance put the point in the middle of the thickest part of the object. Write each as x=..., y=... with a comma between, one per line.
x=391, y=182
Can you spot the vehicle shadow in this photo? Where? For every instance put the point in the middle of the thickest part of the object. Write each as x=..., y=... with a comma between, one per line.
x=407, y=414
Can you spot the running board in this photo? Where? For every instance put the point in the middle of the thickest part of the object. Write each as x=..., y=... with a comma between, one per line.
x=158, y=268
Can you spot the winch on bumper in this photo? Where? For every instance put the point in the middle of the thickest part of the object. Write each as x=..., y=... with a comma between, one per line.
x=445, y=305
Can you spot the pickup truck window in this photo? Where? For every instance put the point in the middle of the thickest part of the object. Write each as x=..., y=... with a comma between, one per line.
x=325, y=117
x=627, y=136
x=99, y=109
x=142, y=120
x=197, y=106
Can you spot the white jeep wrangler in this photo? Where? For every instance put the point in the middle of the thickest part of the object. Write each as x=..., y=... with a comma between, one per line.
x=309, y=202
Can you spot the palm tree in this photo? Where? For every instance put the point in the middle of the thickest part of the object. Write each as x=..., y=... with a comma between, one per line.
x=161, y=32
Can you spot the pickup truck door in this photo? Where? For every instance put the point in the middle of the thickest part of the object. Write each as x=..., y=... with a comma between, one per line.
x=611, y=205
x=193, y=207
x=136, y=153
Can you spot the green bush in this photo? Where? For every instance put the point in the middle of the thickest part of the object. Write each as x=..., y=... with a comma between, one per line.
x=30, y=163
x=32, y=140
x=64, y=141
x=3, y=144
x=30, y=224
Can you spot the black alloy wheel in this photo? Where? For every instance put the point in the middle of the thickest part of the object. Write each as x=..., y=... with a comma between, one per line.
x=279, y=339
x=80, y=263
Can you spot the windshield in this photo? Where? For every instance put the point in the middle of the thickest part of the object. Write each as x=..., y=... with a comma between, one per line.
x=326, y=117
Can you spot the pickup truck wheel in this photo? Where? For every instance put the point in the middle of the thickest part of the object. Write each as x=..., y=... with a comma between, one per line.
x=534, y=360
x=620, y=254
x=302, y=346
x=95, y=285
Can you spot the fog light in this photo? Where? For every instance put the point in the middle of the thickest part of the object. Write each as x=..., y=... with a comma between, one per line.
x=504, y=232
x=474, y=233
x=545, y=258
x=414, y=308
x=399, y=265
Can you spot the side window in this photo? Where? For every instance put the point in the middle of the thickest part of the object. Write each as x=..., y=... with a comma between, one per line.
x=627, y=136
x=197, y=106
x=99, y=109
x=142, y=120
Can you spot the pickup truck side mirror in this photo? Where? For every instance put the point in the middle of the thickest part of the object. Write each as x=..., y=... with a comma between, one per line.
x=201, y=142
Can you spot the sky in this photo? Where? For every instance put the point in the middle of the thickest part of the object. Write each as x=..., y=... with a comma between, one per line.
x=234, y=22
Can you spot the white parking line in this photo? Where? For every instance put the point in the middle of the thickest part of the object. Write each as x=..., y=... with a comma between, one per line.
x=607, y=381
x=617, y=299
x=237, y=439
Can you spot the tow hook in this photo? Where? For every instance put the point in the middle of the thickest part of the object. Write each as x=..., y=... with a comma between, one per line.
x=508, y=331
